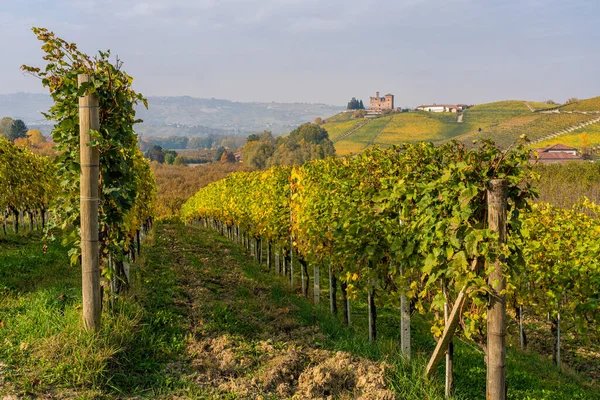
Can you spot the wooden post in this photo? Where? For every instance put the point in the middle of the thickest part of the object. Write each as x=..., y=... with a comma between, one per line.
x=269, y=254
x=496, y=323
x=521, y=330
x=449, y=329
x=372, y=315
x=291, y=259
x=304, y=288
x=332, y=290
x=450, y=352
x=558, y=340
x=345, y=303
x=404, y=322
x=316, y=284
x=89, y=159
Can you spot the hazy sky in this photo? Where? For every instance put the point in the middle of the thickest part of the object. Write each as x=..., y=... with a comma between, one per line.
x=423, y=51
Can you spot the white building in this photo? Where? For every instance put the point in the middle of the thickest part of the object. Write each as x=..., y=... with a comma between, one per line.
x=440, y=108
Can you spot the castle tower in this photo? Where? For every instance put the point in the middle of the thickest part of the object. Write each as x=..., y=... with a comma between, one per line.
x=381, y=103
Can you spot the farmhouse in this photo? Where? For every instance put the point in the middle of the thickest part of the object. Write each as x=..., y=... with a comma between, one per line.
x=381, y=103
x=556, y=154
x=441, y=108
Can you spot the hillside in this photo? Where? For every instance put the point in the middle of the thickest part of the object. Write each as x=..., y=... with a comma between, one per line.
x=588, y=136
x=592, y=104
x=187, y=116
x=502, y=121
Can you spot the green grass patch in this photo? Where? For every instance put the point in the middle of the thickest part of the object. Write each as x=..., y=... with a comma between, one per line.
x=337, y=129
x=359, y=140
x=420, y=126
x=45, y=348
x=591, y=104
x=588, y=136
x=193, y=285
x=539, y=106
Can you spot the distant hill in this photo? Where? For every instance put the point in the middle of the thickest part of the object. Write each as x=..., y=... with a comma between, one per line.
x=502, y=121
x=188, y=116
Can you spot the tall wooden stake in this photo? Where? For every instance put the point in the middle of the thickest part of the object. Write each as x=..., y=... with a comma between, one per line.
x=332, y=290
x=316, y=284
x=449, y=328
x=450, y=351
x=496, y=323
x=89, y=158
x=404, y=323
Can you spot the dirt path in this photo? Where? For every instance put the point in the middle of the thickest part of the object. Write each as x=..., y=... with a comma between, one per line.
x=245, y=340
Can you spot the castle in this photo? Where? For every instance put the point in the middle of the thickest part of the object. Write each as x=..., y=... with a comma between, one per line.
x=382, y=103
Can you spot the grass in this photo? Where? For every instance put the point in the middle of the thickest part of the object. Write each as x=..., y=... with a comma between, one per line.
x=419, y=126
x=339, y=117
x=44, y=347
x=587, y=136
x=204, y=320
x=592, y=104
x=360, y=140
x=529, y=375
x=533, y=125
x=508, y=106
x=337, y=129
x=539, y=106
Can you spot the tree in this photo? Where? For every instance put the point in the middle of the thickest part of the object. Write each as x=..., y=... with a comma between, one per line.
x=550, y=102
x=353, y=104
x=358, y=114
x=318, y=120
x=35, y=137
x=257, y=153
x=17, y=130
x=252, y=138
x=179, y=160
x=5, y=124
x=170, y=157
x=361, y=106
x=13, y=129
x=219, y=153
x=572, y=100
x=156, y=153
x=228, y=157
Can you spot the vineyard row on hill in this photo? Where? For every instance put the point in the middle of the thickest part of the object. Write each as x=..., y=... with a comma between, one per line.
x=27, y=185
x=409, y=225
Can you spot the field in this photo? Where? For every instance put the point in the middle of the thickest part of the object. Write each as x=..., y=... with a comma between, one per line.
x=534, y=126
x=538, y=106
x=592, y=104
x=337, y=129
x=176, y=183
x=502, y=121
x=588, y=136
x=414, y=127
x=206, y=321
x=360, y=140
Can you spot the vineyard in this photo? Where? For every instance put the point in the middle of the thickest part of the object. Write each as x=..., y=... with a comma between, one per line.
x=369, y=271
x=409, y=228
x=534, y=127
x=592, y=104
x=27, y=185
x=362, y=138
x=586, y=137
x=503, y=121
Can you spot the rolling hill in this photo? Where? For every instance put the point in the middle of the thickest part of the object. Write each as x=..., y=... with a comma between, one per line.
x=502, y=121
x=186, y=116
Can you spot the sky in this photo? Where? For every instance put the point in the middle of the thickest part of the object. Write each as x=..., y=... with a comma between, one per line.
x=323, y=51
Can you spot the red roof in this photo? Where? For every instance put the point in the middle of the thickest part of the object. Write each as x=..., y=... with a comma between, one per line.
x=559, y=155
x=558, y=147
